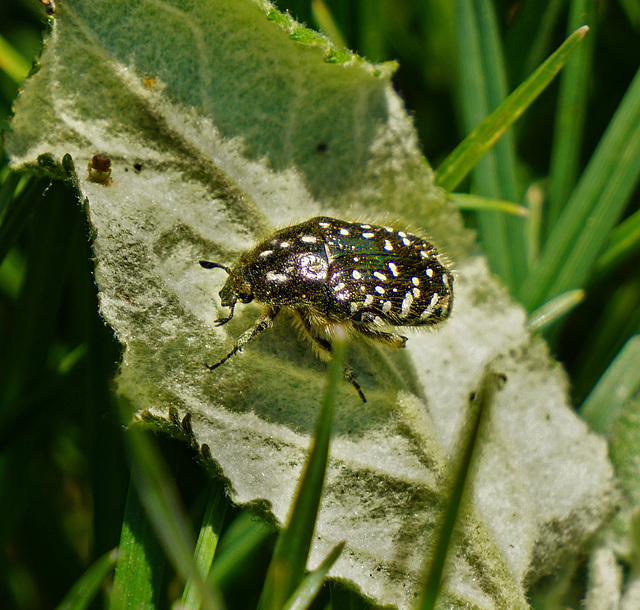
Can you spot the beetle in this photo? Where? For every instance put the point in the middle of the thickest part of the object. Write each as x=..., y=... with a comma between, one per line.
x=332, y=273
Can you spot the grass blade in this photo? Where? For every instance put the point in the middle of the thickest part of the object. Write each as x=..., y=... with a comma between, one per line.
x=323, y=17
x=140, y=565
x=484, y=87
x=460, y=162
x=292, y=549
x=593, y=209
x=310, y=585
x=475, y=202
x=244, y=536
x=615, y=325
x=207, y=542
x=553, y=310
x=534, y=198
x=619, y=383
x=13, y=63
x=622, y=243
x=83, y=591
x=461, y=466
x=160, y=500
x=570, y=116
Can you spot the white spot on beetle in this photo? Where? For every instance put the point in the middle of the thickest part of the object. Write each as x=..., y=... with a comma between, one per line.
x=445, y=280
x=401, y=234
x=379, y=289
x=406, y=305
x=284, y=244
x=368, y=300
x=340, y=286
x=387, y=245
x=354, y=306
x=429, y=272
x=324, y=225
x=308, y=239
x=388, y=229
x=344, y=232
x=265, y=253
x=279, y=278
x=415, y=281
x=356, y=275
x=416, y=293
x=393, y=269
x=368, y=235
x=424, y=254
x=406, y=241
x=386, y=306
x=429, y=310
x=380, y=276
x=365, y=226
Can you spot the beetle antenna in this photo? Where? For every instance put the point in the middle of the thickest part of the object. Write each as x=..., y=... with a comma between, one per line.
x=210, y=265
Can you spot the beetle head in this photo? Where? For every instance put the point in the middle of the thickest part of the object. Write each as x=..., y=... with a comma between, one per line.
x=236, y=288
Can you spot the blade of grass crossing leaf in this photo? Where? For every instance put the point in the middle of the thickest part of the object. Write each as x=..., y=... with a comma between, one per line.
x=619, y=383
x=484, y=87
x=311, y=584
x=292, y=548
x=140, y=565
x=570, y=115
x=459, y=472
x=460, y=162
x=85, y=589
x=207, y=541
x=160, y=500
x=594, y=207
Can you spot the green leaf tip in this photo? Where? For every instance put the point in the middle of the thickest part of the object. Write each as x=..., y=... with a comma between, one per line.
x=306, y=36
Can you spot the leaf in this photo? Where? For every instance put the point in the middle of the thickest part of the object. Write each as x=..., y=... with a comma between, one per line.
x=221, y=121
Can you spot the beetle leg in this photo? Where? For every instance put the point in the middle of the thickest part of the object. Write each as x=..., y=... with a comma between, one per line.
x=390, y=339
x=264, y=322
x=325, y=352
x=221, y=321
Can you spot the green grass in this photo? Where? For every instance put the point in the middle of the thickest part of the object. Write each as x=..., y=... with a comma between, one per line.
x=74, y=485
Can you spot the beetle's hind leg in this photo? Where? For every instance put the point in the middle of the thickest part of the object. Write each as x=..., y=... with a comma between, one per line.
x=264, y=322
x=388, y=339
x=324, y=350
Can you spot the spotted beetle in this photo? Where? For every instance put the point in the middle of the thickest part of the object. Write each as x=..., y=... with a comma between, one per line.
x=332, y=273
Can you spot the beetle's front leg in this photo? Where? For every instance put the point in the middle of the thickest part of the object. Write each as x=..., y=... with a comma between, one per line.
x=264, y=322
